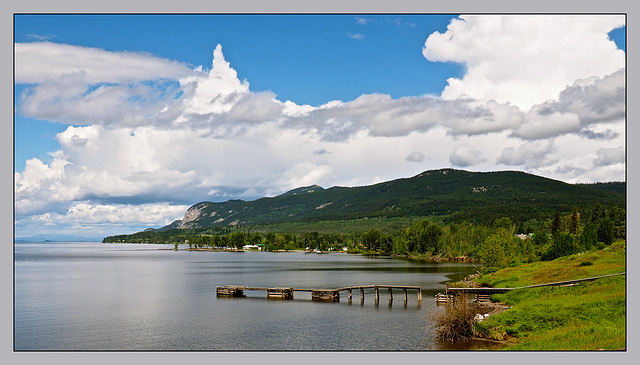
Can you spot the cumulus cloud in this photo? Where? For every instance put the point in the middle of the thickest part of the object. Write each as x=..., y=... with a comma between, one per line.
x=521, y=59
x=218, y=104
x=530, y=155
x=586, y=103
x=604, y=135
x=545, y=123
x=609, y=156
x=465, y=156
x=83, y=212
x=174, y=135
x=415, y=156
x=382, y=116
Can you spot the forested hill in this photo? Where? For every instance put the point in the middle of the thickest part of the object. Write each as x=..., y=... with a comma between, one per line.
x=456, y=194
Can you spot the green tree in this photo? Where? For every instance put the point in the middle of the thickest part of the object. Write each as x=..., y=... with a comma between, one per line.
x=429, y=239
x=556, y=223
x=605, y=231
x=503, y=223
x=575, y=221
x=597, y=213
x=589, y=236
x=540, y=238
x=493, y=254
x=618, y=217
x=563, y=244
x=371, y=239
x=400, y=246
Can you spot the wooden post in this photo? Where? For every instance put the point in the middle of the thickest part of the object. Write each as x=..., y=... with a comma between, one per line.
x=349, y=290
x=362, y=295
x=419, y=295
x=377, y=291
x=390, y=295
x=405, y=295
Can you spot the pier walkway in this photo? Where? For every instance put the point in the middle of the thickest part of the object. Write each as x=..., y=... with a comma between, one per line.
x=319, y=294
x=484, y=293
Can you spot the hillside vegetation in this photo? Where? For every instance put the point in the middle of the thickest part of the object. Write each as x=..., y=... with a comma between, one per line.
x=453, y=195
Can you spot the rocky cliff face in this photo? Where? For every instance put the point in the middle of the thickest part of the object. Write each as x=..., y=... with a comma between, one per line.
x=191, y=215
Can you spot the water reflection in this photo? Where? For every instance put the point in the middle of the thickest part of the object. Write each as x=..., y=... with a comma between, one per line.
x=91, y=296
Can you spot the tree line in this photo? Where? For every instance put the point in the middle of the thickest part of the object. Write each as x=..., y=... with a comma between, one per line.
x=498, y=244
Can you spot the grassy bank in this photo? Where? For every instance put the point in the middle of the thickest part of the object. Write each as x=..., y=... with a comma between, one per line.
x=588, y=316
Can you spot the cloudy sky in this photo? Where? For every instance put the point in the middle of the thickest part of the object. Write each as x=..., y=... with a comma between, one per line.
x=124, y=121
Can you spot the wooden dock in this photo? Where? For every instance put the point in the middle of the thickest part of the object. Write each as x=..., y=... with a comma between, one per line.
x=332, y=295
x=485, y=293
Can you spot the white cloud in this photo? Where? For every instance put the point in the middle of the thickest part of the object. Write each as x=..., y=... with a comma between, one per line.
x=415, y=156
x=362, y=21
x=43, y=62
x=465, y=156
x=382, y=116
x=217, y=91
x=545, y=124
x=144, y=153
x=609, y=156
x=529, y=155
x=588, y=102
x=525, y=59
x=88, y=213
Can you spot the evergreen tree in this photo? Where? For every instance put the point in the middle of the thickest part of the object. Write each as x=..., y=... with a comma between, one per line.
x=555, y=224
x=540, y=238
x=563, y=245
x=589, y=236
x=605, y=231
x=598, y=213
x=575, y=221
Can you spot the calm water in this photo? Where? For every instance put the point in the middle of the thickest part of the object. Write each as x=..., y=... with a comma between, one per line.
x=95, y=297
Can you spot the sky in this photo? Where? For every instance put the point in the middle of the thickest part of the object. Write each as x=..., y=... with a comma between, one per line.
x=122, y=122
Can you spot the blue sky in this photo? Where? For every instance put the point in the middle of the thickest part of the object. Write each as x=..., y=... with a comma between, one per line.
x=308, y=59
x=123, y=121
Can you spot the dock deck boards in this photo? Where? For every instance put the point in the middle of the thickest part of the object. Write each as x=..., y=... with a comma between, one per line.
x=318, y=294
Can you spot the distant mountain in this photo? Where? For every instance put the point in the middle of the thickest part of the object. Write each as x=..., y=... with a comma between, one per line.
x=456, y=194
x=57, y=238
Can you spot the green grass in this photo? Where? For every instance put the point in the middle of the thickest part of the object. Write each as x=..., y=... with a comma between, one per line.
x=588, y=316
x=610, y=260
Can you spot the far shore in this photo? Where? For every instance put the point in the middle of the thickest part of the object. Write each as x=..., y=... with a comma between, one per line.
x=367, y=253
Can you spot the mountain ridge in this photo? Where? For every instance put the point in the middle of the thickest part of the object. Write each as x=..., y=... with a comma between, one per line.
x=458, y=194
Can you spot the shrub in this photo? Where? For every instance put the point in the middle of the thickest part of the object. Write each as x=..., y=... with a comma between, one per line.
x=457, y=321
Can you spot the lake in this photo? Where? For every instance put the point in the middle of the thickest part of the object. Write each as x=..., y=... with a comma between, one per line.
x=141, y=297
